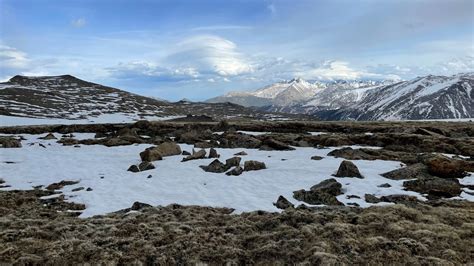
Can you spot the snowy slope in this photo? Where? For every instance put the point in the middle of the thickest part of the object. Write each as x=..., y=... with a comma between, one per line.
x=430, y=97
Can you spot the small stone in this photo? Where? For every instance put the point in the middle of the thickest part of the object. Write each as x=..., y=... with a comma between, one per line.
x=385, y=185
x=186, y=153
x=139, y=205
x=133, y=168
x=283, y=203
x=316, y=158
x=195, y=156
x=77, y=189
x=369, y=198
x=89, y=189
x=149, y=176
x=242, y=153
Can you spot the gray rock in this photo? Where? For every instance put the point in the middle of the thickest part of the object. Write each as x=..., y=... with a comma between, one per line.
x=195, y=156
x=254, y=165
x=236, y=171
x=348, y=169
x=283, y=203
x=234, y=161
x=213, y=153
x=317, y=158
x=215, y=166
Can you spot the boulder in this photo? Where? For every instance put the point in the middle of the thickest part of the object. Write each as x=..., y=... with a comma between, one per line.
x=151, y=154
x=9, y=142
x=169, y=149
x=445, y=167
x=283, y=203
x=195, y=156
x=215, y=166
x=213, y=153
x=369, y=198
x=323, y=193
x=329, y=186
x=348, y=169
x=270, y=144
x=409, y=172
x=235, y=140
x=111, y=142
x=234, y=161
x=254, y=165
x=236, y=171
x=435, y=187
x=316, y=158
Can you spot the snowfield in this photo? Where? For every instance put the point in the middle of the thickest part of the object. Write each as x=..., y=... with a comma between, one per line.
x=104, y=169
x=100, y=119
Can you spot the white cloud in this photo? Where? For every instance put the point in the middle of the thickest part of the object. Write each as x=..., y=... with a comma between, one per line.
x=79, y=22
x=332, y=70
x=12, y=58
x=209, y=53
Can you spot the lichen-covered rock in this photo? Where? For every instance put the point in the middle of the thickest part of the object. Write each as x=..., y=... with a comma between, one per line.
x=445, y=167
x=435, y=187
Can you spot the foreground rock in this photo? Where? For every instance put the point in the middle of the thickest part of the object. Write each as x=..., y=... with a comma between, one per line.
x=323, y=193
x=254, y=166
x=348, y=169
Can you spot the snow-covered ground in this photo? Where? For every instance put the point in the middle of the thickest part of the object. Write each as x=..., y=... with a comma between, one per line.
x=104, y=169
x=101, y=119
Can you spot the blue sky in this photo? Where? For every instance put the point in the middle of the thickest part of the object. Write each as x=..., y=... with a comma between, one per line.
x=199, y=49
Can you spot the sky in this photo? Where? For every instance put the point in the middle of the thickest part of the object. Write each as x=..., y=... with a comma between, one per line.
x=198, y=49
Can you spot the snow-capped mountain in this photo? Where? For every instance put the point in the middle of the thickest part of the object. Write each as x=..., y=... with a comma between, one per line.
x=296, y=92
x=69, y=98
x=429, y=97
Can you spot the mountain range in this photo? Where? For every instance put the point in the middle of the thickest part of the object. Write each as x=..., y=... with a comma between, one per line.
x=428, y=97
x=67, y=97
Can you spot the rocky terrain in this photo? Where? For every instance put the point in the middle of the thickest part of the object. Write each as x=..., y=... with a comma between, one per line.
x=252, y=192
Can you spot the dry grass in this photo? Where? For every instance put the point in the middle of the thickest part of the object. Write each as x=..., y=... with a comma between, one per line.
x=33, y=233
